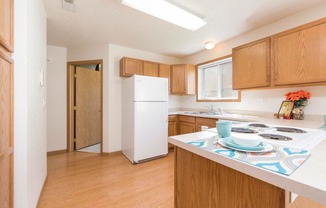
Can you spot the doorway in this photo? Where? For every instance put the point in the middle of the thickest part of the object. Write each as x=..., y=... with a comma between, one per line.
x=85, y=98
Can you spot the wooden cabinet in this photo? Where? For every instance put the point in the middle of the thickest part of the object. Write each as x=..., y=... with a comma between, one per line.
x=251, y=65
x=299, y=55
x=164, y=71
x=6, y=103
x=172, y=128
x=187, y=124
x=209, y=122
x=183, y=79
x=295, y=57
x=130, y=66
x=150, y=69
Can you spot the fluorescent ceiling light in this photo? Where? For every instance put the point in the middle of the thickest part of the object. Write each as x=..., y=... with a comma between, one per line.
x=168, y=12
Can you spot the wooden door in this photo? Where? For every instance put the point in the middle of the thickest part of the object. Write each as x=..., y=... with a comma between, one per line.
x=251, y=65
x=299, y=55
x=88, y=107
x=150, y=69
x=6, y=104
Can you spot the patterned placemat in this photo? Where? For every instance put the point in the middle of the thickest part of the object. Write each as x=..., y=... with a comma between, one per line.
x=284, y=160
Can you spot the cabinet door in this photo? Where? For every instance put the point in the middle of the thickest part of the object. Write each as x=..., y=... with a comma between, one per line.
x=164, y=71
x=6, y=104
x=251, y=65
x=130, y=66
x=178, y=79
x=186, y=128
x=150, y=69
x=183, y=79
x=6, y=24
x=300, y=55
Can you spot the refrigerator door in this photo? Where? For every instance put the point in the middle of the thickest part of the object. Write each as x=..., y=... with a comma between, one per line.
x=151, y=130
x=150, y=88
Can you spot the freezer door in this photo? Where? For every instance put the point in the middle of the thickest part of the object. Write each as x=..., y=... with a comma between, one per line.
x=151, y=130
x=150, y=88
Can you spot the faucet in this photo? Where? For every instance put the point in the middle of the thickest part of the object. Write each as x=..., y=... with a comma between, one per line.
x=212, y=110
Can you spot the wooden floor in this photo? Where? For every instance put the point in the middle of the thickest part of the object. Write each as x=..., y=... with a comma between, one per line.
x=88, y=180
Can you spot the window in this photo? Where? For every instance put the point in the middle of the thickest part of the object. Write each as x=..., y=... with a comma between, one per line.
x=215, y=81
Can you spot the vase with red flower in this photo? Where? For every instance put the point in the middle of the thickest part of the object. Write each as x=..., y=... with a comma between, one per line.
x=300, y=99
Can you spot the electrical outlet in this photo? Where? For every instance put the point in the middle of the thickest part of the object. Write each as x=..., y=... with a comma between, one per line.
x=263, y=101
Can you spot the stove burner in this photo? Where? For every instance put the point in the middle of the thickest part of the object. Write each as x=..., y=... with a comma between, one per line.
x=243, y=130
x=275, y=137
x=258, y=125
x=290, y=130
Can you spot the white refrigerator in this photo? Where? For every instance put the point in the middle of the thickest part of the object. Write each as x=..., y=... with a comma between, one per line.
x=144, y=118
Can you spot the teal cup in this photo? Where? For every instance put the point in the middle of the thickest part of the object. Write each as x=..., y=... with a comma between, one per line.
x=223, y=128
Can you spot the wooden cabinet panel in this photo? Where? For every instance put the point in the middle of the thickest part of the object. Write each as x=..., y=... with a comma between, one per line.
x=172, y=128
x=183, y=79
x=6, y=24
x=186, y=128
x=251, y=65
x=130, y=66
x=200, y=182
x=300, y=55
x=150, y=69
x=6, y=103
x=188, y=119
x=209, y=122
x=164, y=71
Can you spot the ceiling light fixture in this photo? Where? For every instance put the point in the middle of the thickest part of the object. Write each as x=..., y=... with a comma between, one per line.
x=209, y=45
x=168, y=12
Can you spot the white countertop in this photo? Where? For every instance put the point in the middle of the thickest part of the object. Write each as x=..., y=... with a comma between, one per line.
x=308, y=180
x=262, y=118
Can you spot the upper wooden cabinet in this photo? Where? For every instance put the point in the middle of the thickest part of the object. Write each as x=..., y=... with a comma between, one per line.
x=164, y=71
x=150, y=69
x=295, y=57
x=7, y=25
x=251, y=65
x=300, y=55
x=183, y=79
x=130, y=66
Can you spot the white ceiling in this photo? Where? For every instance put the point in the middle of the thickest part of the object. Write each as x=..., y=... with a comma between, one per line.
x=108, y=21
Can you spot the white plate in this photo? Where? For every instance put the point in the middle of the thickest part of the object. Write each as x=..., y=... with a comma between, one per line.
x=267, y=147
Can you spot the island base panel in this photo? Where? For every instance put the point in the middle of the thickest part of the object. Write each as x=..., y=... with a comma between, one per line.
x=200, y=182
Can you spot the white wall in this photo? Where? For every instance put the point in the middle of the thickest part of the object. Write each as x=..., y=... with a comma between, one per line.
x=30, y=115
x=262, y=100
x=56, y=98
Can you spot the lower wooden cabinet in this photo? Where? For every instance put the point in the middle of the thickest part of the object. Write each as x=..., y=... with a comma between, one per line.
x=187, y=124
x=186, y=128
x=172, y=128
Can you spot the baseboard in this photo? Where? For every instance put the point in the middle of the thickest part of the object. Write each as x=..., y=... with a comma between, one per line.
x=41, y=194
x=111, y=153
x=56, y=152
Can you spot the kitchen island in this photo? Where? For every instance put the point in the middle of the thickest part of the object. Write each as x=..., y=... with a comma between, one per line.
x=206, y=179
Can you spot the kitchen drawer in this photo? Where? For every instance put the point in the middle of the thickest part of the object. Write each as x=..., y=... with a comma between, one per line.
x=188, y=119
x=210, y=122
x=173, y=118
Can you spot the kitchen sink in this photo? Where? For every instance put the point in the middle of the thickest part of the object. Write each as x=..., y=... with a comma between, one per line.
x=200, y=113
